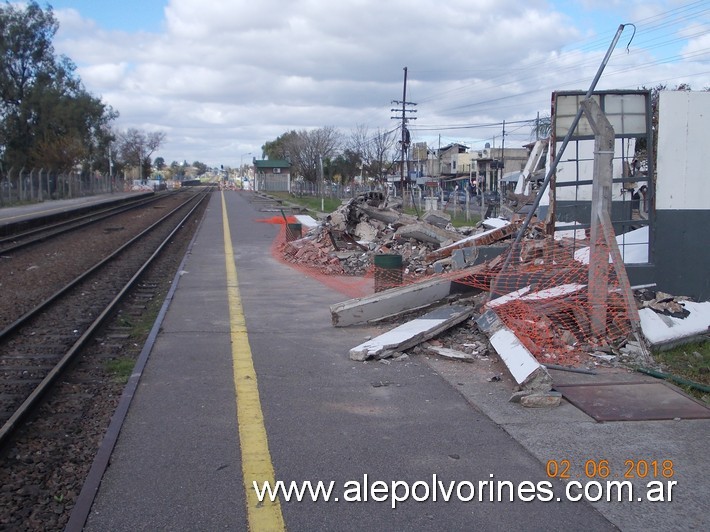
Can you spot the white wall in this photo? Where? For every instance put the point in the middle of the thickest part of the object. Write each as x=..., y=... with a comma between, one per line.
x=683, y=181
x=578, y=163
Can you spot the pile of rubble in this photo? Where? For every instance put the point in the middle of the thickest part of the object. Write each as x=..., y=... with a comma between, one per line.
x=316, y=251
x=542, y=313
x=662, y=303
x=346, y=240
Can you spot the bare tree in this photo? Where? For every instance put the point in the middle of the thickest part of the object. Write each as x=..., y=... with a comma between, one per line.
x=379, y=159
x=306, y=149
x=375, y=150
x=135, y=148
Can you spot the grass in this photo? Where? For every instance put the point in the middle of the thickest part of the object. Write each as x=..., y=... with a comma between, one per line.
x=691, y=362
x=121, y=368
x=309, y=202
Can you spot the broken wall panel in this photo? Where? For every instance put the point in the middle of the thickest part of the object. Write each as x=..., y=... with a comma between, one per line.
x=398, y=300
x=570, y=194
x=523, y=366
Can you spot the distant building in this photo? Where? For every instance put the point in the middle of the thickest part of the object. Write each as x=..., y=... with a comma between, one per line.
x=272, y=175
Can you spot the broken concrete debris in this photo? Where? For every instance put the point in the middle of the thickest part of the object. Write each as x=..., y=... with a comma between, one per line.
x=412, y=333
x=532, y=399
x=525, y=369
x=345, y=241
x=664, y=331
x=541, y=400
x=538, y=314
x=480, y=239
x=447, y=352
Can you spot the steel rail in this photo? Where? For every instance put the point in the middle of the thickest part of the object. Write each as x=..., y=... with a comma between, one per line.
x=47, y=231
x=48, y=381
x=44, y=304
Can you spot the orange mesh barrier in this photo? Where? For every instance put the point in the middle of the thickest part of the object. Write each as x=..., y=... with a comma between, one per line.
x=315, y=262
x=543, y=294
x=278, y=220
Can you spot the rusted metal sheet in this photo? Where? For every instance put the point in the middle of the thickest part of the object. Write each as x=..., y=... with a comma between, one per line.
x=633, y=401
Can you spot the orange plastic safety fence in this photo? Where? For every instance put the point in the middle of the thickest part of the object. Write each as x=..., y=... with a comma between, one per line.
x=542, y=290
x=314, y=259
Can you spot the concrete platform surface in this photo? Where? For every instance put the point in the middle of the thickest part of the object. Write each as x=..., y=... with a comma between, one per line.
x=20, y=213
x=178, y=462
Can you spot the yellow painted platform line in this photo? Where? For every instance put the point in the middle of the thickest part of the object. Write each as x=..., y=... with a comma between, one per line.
x=256, y=459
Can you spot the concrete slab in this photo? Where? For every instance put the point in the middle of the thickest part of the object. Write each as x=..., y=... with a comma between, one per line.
x=494, y=223
x=665, y=331
x=524, y=294
x=389, y=302
x=522, y=365
x=307, y=221
x=412, y=332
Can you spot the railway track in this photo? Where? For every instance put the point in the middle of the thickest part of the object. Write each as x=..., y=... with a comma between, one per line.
x=39, y=346
x=16, y=240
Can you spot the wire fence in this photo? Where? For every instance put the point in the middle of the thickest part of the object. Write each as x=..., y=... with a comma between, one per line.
x=38, y=185
x=474, y=205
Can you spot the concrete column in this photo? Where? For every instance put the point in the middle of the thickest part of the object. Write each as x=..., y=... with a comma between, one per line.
x=601, y=209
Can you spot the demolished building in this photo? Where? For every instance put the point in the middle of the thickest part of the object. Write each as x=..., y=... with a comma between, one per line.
x=542, y=297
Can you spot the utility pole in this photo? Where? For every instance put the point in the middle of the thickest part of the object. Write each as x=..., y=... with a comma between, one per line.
x=537, y=127
x=502, y=159
x=405, y=132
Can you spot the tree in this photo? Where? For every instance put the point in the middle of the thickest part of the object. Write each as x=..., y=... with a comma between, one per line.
x=347, y=166
x=47, y=118
x=308, y=148
x=200, y=168
x=280, y=148
x=177, y=170
x=135, y=148
x=375, y=150
x=542, y=127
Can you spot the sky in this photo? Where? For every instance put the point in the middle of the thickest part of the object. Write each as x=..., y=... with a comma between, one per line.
x=222, y=77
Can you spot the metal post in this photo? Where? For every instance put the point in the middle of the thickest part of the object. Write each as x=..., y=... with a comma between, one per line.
x=21, y=185
x=558, y=157
x=39, y=192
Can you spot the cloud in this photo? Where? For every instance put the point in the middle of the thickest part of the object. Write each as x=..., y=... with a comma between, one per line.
x=223, y=78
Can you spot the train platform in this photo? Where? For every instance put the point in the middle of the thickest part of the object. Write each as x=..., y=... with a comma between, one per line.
x=244, y=381
x=49, y=209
